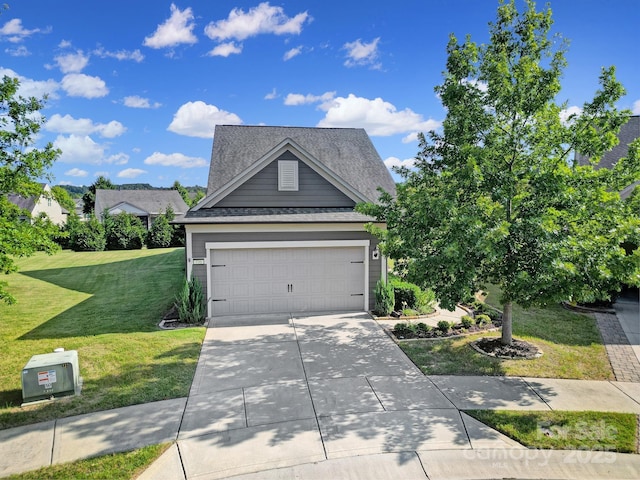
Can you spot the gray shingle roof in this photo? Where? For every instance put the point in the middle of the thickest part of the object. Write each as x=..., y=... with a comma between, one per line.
x=346, y=152
x=273, y=215
x=154, y=202
x=628, y=133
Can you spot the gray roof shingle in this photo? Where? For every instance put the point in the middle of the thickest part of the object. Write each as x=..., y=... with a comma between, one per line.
x=346, y=152
x=273, y=215
x=154, y=202
x=628, y=133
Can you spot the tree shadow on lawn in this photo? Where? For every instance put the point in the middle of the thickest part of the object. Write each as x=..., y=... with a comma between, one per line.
x=126, y=296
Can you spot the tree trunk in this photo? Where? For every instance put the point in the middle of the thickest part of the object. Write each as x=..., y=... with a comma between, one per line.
x=507, y=334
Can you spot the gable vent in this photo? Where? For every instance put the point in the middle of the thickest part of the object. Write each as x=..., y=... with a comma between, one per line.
x=288, y=175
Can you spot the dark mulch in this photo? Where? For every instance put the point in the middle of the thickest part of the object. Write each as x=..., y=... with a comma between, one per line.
x=518, y=349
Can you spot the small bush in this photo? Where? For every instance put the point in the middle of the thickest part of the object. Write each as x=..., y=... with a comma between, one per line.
x=443, y=326
x=384, y=298
x=483, y=320
x=423, y=327
x=190, y=302
x=402, y=329
x=466, y=321
x=406, y=294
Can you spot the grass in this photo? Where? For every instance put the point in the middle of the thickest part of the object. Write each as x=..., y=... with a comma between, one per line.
x=557, y=430
x=116, y=466
x=105, y=305
x=570, y=341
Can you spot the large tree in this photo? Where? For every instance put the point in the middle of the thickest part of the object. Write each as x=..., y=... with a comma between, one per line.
x=495, y=197
x=89, y=198
x=22, y=166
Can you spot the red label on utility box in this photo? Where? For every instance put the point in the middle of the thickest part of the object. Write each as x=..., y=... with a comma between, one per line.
x=47, y=378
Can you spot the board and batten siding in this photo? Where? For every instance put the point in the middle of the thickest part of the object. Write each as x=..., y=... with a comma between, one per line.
x=199, y=241
x=261, y=190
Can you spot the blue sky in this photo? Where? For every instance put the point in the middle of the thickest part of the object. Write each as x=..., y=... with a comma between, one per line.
x=135, y=88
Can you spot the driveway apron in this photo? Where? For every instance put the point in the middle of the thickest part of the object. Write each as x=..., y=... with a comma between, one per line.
x=276, y=391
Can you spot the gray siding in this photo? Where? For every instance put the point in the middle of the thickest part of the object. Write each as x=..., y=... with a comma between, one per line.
x=261, y=190
x=200, y=239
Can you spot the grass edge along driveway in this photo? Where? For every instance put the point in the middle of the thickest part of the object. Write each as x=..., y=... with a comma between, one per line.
x=107, y=306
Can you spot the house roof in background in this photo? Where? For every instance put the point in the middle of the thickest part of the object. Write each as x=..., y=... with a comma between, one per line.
x=347, y=153
x=154, y=202
x=628, y=133
x=27, y=203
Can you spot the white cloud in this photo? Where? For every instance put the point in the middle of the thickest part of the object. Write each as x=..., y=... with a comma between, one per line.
x=117, y=159
x=81, y=85
x=76, y=172
x=298, y=99
x=131, y=173
x=392, y=162
x=175, y=160
x=198, y=119
x=135, y=101
x=72, y=62
x=412, y=137
x=378, y=117
x=15, y=32
x=294, y=52
x=79, y=149
x=359, y=53
x=273, y=94
x=636, y=107
x=134, y=55
x=262, y=19
x=568, y=112
x=226, y=49
x=83, y=126
x=32, y=88
x=176, y=30
x=20, y=51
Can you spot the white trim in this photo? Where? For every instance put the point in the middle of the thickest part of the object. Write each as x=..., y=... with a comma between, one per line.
x=189, y=247
x=209, y=246
x=286, y=244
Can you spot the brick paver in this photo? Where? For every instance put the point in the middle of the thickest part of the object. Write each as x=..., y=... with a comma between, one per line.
x=624, y=362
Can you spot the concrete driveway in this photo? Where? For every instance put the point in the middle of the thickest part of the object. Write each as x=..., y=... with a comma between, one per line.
x=277, y=391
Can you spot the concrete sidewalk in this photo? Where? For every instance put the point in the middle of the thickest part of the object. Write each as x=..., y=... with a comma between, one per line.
x=328, y=396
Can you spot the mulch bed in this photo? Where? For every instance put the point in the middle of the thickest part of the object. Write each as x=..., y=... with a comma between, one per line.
x=171, y=321
x=518, y=350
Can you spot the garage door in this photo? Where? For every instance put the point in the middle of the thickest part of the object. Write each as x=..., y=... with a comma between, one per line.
x=274, y=280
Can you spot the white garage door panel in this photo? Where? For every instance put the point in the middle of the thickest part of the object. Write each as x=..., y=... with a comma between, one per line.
x=269, y=280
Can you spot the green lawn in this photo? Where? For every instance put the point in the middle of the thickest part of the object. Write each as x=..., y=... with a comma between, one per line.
x=107, y=306
x=118, y=466
x=599, y=431
x=570, y=341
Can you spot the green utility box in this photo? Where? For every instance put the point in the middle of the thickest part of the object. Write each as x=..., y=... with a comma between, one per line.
x=51, y=375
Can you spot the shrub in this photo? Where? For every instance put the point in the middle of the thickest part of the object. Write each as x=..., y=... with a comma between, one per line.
x=483, y=320
x=407, y=294
x=384, y=298
x=87, y=236
x=161, y=232
x=423, y=328
x=443, y=326
x=124, y=231
x=190, y=302
x=402, y=329
x=466, y=321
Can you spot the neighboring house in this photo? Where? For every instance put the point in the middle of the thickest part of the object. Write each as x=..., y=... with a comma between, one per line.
x=144, y=204
x=277, y=231
x=44, y=203
x=628, y=133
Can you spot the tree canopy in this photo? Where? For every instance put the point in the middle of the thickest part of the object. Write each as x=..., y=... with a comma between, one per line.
x=21, y=168
x=495, y=196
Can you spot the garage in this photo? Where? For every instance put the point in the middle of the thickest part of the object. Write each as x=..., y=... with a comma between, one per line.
x=284, y=277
